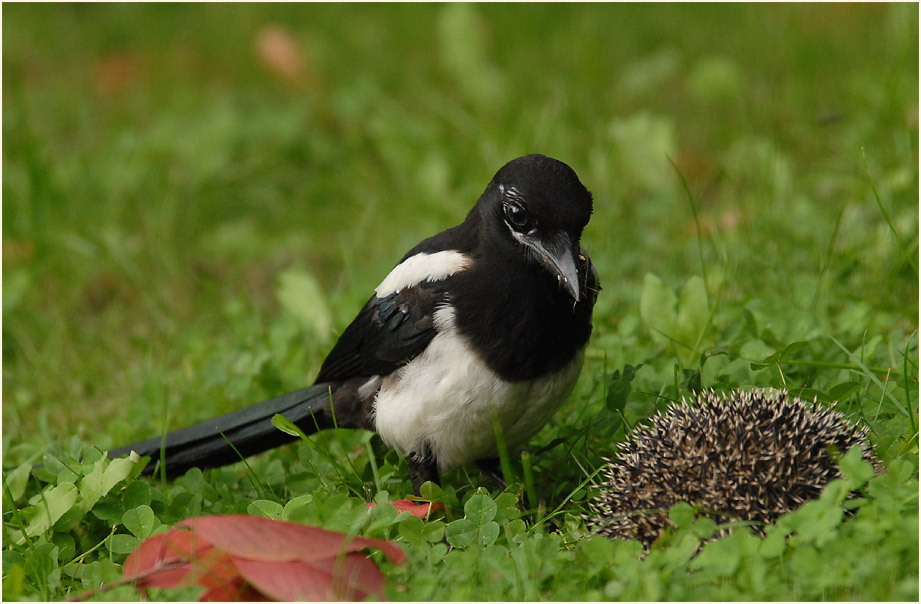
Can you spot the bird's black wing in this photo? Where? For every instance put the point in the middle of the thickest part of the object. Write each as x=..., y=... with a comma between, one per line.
x=387, y=333
x=392, y=330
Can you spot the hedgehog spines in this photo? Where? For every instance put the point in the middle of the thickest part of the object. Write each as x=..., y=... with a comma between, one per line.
x=750, y=456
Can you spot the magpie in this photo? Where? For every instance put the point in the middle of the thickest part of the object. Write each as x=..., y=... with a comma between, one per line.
x=484, y=322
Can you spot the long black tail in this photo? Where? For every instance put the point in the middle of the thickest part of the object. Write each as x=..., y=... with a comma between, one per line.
x=250, y=430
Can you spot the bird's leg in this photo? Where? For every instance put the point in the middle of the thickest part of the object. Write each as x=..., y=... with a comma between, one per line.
x=423, y=468
x=492, y=470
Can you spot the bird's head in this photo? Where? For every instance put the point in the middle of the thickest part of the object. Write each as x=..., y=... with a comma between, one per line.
x=538, y=206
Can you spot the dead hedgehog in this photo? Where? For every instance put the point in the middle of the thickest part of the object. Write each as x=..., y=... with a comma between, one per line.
x=744, y=456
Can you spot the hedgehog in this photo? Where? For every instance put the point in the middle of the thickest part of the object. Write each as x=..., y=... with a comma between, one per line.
x=743, y=456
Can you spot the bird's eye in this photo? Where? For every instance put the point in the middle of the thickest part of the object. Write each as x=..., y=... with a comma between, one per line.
x=517, y=217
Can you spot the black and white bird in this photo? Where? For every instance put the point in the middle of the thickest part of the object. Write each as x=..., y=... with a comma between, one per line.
x=485, y=321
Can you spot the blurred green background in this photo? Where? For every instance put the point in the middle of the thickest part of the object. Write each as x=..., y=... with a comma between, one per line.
x=198, y=197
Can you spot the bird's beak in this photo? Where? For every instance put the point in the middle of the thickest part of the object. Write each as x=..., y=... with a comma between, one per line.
x=557, y=254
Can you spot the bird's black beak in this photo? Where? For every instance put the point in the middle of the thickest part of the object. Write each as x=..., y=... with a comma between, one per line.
x=557, y=254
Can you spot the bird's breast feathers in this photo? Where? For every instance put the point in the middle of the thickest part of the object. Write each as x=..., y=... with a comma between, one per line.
x=445, y=401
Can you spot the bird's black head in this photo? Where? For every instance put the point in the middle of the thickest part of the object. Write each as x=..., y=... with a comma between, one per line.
x=537, y=206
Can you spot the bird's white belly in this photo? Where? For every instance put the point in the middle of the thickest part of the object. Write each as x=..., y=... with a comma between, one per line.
x=446, y=398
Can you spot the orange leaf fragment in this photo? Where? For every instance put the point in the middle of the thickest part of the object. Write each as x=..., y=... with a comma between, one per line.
x=419, y=510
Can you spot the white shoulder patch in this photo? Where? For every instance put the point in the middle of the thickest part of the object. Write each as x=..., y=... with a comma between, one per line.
x=422, y=267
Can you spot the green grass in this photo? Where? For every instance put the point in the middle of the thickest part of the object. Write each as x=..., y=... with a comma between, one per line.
x=186, y=231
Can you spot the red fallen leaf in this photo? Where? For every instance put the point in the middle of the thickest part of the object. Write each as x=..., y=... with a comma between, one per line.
x=352, y=577
x=256, y=538
x=178, y=558
x=419, y=510
x=239, y=557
